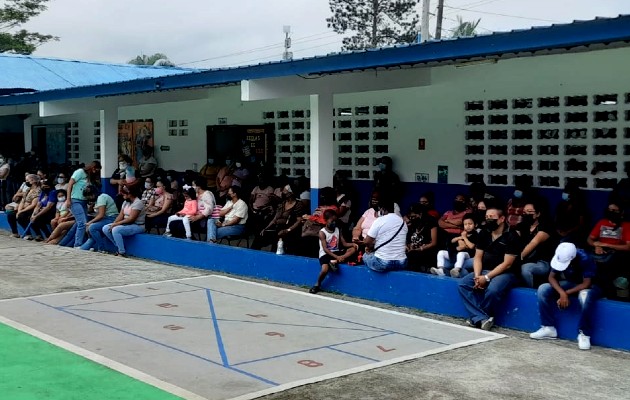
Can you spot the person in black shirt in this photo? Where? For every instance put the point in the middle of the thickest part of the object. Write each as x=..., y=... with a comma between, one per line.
x=537, y=236
x=497, y=251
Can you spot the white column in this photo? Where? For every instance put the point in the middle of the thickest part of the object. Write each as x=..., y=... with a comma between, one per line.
x=28, y=138
x=109, y=143
x=322, y=150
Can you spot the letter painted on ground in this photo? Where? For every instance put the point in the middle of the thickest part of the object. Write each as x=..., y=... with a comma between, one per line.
x=257, y=315
x=384, y=350
x=274, y=334
x=86, y=298
x=167, y=305
x=310, y=363
x=173, y=327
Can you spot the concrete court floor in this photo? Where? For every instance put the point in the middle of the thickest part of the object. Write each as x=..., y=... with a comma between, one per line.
x=515, y=367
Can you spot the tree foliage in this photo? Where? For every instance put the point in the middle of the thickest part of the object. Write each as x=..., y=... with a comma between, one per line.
x=374, y=23
x=155, y=59
x=15, y=13
x=465, y=28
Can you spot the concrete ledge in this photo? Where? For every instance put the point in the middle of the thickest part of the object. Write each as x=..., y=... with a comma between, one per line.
x=407, y=289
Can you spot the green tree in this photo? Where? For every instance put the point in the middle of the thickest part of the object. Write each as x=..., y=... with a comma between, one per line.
x=374, y=23
x=156, y=59
x=15, y=13
x=465, y=28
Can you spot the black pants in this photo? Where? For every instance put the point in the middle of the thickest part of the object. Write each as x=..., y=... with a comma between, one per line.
x=6, y=193
x=40, y=225
x=23, y=219
x=158, y=222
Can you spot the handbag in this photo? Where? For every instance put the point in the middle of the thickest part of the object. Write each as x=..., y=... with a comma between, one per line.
x=311, y=228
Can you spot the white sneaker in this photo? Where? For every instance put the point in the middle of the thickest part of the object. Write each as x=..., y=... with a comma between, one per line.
x=545, y=332
x=455, y=272
x=584, y=342
x=167, y=234
x=487, y=324
x=437, y=271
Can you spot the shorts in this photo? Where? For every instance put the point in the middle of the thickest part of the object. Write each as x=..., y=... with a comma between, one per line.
x=326, y=259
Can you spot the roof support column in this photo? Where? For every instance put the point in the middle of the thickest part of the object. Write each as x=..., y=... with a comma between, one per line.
x=109, y=145
x=322, y=150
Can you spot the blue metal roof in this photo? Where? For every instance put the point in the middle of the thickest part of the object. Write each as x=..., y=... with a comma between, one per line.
x=562, y=36
x=42, y=74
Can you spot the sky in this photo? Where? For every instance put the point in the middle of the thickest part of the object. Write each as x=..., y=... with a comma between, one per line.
x=220, y=33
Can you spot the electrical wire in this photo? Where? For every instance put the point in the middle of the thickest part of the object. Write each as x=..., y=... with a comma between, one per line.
x=503, y=15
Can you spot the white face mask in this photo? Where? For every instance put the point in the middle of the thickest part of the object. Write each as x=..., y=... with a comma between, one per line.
x=1, y=161
x=60, y=180
x=122, y=165
x=238, y=165
x=228, y=162
x=210, y=161
x=61, y=199
x=147, y=185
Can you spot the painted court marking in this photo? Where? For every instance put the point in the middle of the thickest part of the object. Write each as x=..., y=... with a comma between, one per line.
x=215, y=337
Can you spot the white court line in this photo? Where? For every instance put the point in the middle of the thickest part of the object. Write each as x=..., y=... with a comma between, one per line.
x=109, y=363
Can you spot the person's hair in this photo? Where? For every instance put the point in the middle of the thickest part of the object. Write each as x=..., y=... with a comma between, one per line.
x=470, y=216
x=430, y=196
x=498, y=209
x=33, y=177
x=94, y=164
x=386, y=203
x=236, y=190
x=190, y=192
x=90, y=191
x=126, y=158
x=327, y=196
x=62, y=191
x=329, y=213
x=418, y=208
x=135, y=191
x=387, y=161
x=201, y=183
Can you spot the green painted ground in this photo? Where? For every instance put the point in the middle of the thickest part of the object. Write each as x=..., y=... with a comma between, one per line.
x=31, y=369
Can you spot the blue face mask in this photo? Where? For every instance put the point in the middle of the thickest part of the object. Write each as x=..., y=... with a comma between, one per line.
x=381, y=167
x=565, y=196
x=332, y=226
x=518, y=194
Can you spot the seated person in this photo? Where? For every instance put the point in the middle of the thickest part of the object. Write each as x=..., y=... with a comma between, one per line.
x=461, y=251
x=385, y=241
x=209, y=172
x=17, y=197
x=285, y=224
x=515, y=204
x=359, y=232
x=261, y=203
x=610, y=239
x=234, y=214
x=571, y=216
x=147, y=163
x=451, y=221
x=206, y=203
x=22, y=214
x=62, y=181
x=331, y=254
x=190, y=210
x=536, y=233
x=422, y=239
x=129, y=222
x=125, y=175
x=63, y=221
x=225, y=178
x=106, y=213
x=495, y=261
x=149, y=190
x=428, y=200
x=160, y=206
x=314, y=223
x=573, y=274
x=477, y=191
x=43, y=213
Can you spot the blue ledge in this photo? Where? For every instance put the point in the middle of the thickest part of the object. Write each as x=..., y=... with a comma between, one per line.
x=406, y=289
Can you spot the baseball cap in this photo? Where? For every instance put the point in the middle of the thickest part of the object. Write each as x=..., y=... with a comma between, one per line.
x=565, y=253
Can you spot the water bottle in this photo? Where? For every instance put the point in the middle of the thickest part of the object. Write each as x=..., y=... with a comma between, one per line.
x=280, y=250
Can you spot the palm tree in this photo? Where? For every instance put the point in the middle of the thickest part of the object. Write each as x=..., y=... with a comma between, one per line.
x=158, y=59
x=465, y=28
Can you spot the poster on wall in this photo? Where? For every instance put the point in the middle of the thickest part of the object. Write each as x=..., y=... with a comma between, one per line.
x=442, y=173
x=143, y=139
x=125, y=139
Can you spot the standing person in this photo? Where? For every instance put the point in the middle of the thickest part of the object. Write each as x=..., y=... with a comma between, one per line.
x=76, y=201
x=209, y=172
x=147, y=163
x=5, y=170
x=129, y=222
x=386, y=181
x=234, y=215
x=386, y=239
x=106, y=213
x=573, y=274
x=225, y=177
x=333, y=248
x=495, y=258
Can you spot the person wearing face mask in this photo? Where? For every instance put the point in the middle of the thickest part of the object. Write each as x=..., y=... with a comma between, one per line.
x=386, y=180
x=76, y=201
x=61, y=182
x=63, y=221
x=514, y=208
x=385, y=243
x=537, y=235
x=451, y=221
x=359, y=232
x=5, y=170
x=129, y=222
x=333, y=249
x=44, y=212
x=610, y=242
x=106, y=213
x=571, y=216
x=125, y=175
x=209, y=172
x=285, y=224
x=241, y=174
x=22, y=214
x=422, y=239
x=147, y=163
x=159, y=208
x=234, y=215
x=495, y=264
x=261, y=203
x=149, y=191
x=225, y=177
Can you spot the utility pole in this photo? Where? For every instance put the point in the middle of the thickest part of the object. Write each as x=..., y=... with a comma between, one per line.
x=440, y=14
x=287, y=55
x=424, y=27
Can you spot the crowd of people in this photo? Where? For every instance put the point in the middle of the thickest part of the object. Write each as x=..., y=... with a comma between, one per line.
x=488, y=244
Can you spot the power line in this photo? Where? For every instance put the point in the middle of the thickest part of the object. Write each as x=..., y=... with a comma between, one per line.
x=265, y=48
x=474, y=4
x=503, y=15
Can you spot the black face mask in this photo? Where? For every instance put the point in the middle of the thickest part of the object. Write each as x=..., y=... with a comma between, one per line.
x=459, y=206
x=528, y=219
x=28, y=184
x=332, y=226
x=613, y=216
x=492, y=224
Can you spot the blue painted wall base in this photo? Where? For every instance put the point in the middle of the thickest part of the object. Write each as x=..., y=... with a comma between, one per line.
x=406, y=289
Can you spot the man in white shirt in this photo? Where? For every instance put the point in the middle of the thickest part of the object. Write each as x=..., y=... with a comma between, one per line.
x=235, y=213
x=385, y=240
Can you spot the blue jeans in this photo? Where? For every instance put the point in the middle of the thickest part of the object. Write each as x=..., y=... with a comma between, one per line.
x=216, y=233
x=79, y=210
x=379, y=265
x=547, y=298
x=68, y=240
x=482, y=303
x=97, y=239
x=529, y=270
x=117, y=234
